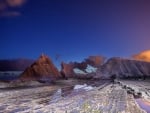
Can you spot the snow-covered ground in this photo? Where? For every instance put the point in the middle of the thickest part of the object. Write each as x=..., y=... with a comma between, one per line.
x=110, y=98
x=141, y=87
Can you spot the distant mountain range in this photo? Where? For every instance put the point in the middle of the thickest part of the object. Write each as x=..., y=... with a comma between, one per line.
x=19, y=64
x=92, y=67
x=116, y=66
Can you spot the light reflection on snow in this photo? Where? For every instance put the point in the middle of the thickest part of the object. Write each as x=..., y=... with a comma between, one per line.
x=68, y=91
x=144, y=105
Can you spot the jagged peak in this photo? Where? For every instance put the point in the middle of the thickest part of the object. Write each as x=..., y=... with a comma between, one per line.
x=43, y=56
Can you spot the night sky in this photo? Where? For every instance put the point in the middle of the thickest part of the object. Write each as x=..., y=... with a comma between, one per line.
x=73, y=29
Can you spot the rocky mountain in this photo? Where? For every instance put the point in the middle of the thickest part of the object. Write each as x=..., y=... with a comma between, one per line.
x=42, y=69
x=15, y=64
x=124, y=68
x=119, y=67
x=72, y=69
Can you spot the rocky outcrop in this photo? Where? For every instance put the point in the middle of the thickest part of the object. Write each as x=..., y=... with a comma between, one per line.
x=67, y=70
x=124, y=68
x=43, y=69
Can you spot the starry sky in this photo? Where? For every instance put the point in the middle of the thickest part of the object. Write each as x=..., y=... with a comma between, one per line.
x=73, y=29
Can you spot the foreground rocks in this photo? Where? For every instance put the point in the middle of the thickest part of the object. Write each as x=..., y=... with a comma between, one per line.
x=137, y=88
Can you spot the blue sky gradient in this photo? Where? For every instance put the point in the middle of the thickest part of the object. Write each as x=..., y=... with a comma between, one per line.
x=75, y=29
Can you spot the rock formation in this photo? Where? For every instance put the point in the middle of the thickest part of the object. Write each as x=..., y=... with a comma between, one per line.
x=42, y=69
x=114, y=67
x=67, y=70
x=124, y=68
x=92, y=67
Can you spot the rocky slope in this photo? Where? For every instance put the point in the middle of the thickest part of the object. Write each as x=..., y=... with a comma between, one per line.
x=123, y=68
x=42, y=69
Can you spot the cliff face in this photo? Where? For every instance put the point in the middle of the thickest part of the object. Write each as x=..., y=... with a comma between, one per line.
x=43, y=68
x=124, y=68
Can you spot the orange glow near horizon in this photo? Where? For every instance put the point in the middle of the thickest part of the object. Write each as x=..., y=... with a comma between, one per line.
x=144, y=56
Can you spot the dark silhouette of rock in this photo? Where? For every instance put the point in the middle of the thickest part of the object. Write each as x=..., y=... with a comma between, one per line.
x=43, y=70
x=15, y=64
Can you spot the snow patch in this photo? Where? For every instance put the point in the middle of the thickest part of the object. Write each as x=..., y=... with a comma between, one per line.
x=83, y=87
x=90, y=69
x=78, y=71
x=57, y=96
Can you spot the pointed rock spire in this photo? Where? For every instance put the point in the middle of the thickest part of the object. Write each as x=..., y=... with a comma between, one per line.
x=41, y=68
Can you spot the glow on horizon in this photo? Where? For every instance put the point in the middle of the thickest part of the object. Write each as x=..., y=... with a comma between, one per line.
x=144, y=56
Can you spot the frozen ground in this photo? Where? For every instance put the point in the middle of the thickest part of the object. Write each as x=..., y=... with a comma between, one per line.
x=141, y=91
x=70, y=96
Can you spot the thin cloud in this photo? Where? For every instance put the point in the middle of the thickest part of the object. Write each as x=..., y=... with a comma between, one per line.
x=15, y=3
x=3, y=6
x=8, y=7
x=10, y=14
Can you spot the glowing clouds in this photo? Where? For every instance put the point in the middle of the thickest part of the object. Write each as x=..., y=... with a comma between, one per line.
x=8, y=7
x=144, y=56
x=15, y=3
